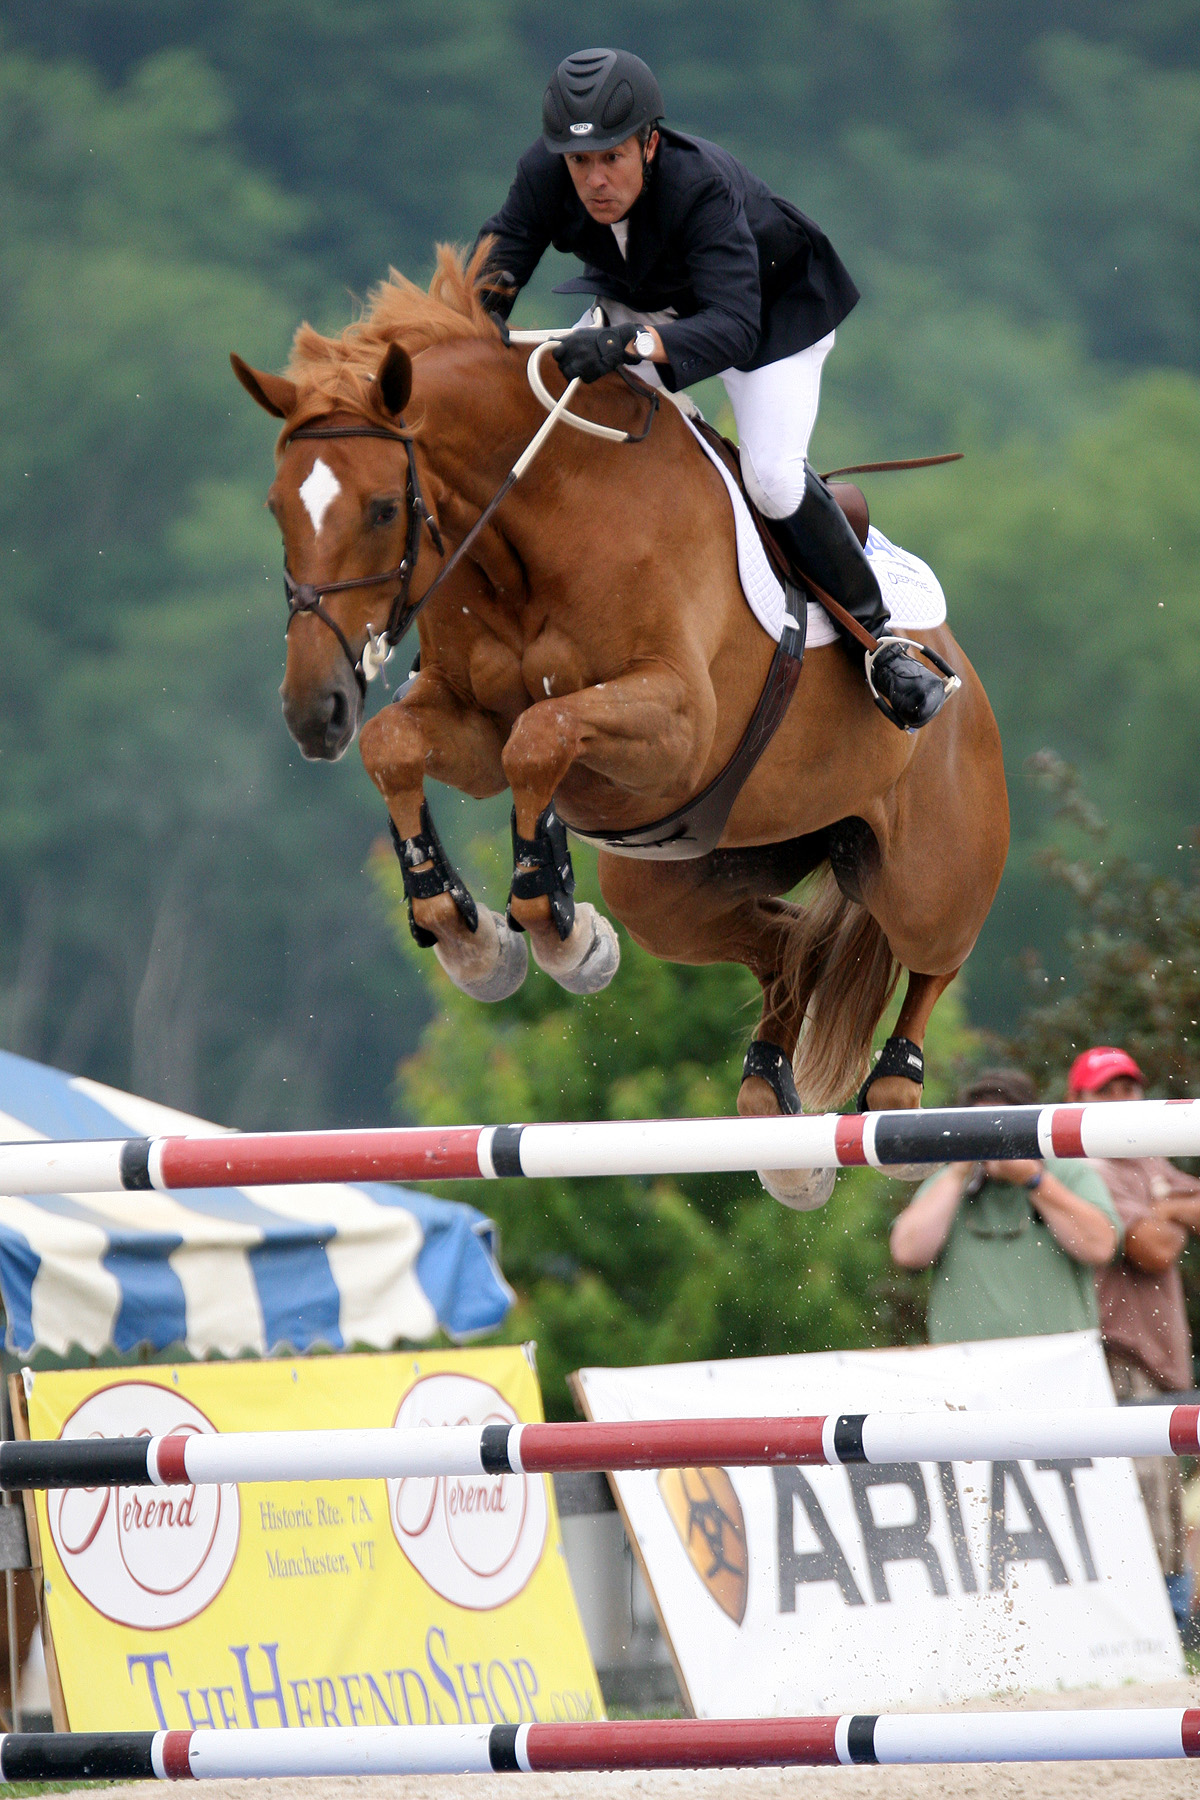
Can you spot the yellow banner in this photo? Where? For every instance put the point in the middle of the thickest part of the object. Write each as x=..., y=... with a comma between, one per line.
x=308, y=1603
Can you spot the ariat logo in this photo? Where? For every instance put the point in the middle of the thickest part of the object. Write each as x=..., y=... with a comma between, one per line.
x=581, y=130
x=708, y=1516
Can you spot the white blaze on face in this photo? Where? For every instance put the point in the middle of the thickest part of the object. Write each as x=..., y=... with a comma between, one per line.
x=319, y=489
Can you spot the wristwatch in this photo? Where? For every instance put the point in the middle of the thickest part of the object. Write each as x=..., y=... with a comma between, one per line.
x=644, y=344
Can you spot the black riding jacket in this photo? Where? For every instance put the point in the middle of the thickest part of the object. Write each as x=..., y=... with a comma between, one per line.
x=752, y=279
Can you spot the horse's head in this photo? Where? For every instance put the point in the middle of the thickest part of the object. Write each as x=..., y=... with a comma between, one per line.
x=344, y=497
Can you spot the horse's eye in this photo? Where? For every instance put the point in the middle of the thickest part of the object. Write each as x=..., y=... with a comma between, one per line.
x=383, y=512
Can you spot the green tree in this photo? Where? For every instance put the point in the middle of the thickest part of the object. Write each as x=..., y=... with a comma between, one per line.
x=183, y=904
x=1014, y=187
x=1132, y=966
x=1074, y=589
x=1134, y=954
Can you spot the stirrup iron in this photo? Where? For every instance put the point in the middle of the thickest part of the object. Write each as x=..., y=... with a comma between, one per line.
x=950, y=681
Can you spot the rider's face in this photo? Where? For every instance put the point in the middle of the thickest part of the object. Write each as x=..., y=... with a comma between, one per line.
x=609, y=181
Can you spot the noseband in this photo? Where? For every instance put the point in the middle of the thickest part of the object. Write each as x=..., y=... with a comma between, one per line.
x=306, y=596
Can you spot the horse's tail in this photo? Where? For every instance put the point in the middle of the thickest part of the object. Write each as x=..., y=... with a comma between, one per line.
x=840, y=973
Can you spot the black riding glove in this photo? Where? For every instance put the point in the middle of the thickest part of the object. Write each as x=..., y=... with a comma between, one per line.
x=594, y=351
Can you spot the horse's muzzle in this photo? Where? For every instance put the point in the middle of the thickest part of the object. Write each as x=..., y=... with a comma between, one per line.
x=324, y=723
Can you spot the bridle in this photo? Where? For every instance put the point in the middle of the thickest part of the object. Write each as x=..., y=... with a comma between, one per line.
x=306, y=596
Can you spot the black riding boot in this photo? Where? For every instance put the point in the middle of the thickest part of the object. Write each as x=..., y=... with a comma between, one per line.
x=819, y=539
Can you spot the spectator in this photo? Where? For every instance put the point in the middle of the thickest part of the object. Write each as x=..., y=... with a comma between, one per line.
x=1013, y=1243
x=1143, y=1319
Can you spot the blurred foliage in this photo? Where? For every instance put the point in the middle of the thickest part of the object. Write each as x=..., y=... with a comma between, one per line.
x=678, y=1268
x=1134, y=954
x=1133, y=965
x=1076, y=590
x=1014, y=185
x=182, y=901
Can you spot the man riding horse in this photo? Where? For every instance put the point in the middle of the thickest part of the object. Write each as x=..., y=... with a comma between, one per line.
x=701, y=270
x=612, y=680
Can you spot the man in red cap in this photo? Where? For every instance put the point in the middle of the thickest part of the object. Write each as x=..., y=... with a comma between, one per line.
x=1143, y=1318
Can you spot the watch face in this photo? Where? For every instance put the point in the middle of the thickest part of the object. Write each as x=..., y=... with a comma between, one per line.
x=643, y=343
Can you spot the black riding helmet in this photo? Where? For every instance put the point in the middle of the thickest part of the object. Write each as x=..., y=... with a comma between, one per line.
x=598, y=98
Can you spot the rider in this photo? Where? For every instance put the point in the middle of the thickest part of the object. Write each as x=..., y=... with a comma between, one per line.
x=701, y=271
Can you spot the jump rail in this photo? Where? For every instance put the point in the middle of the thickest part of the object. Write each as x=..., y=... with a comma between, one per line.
x=473, y=1450
x=608, y=1147
x=991, y=1737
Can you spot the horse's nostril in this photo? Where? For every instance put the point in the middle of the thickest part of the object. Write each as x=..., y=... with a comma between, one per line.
x=339, y=713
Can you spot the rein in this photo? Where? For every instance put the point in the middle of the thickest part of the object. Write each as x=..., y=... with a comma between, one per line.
x=306, y=596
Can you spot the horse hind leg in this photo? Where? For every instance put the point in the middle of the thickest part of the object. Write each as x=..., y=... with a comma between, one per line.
x=768, y=1091
x=724, y=908
x=893, y=1084
x=834, y=977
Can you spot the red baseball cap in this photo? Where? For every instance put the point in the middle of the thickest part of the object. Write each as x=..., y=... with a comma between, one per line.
x=1096, y=1068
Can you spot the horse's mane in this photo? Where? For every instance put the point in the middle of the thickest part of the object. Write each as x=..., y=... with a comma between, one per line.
x=335, y=373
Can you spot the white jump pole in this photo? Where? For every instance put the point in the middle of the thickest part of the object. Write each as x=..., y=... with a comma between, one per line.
x=471, y=1451
x=991, y=1737
x=606, y=1147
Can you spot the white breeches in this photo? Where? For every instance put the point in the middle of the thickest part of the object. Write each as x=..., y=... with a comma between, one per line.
x=774, y=408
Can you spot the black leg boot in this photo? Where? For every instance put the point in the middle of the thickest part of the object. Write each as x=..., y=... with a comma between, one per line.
x=820, y=541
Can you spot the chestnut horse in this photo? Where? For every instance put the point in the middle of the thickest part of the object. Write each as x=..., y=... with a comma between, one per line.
x=594, y=653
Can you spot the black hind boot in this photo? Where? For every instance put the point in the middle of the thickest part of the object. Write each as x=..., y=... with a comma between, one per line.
x=818, y=538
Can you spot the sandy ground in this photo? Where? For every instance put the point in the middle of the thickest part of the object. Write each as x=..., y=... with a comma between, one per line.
x=1048, y=1781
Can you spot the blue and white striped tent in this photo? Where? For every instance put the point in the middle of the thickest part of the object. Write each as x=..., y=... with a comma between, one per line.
x=229, y=1269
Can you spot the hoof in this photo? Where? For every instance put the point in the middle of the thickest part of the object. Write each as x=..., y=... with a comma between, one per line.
x=896, y=1093
x=589, y=958
x=499, y=961
x=804, y=1190
x=768, y=1092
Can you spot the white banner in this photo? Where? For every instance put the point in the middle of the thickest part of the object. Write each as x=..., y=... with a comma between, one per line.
x=872, y=1586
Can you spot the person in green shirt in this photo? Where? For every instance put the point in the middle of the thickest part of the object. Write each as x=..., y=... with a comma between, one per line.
x=1013, y=1245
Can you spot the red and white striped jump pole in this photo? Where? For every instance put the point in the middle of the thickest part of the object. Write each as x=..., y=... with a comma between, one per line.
x=537, y=1449
x=991, y=1737
x=605, y=1147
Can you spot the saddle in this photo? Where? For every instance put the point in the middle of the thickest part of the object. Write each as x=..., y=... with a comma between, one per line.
x=694, y=829
x=850, y=498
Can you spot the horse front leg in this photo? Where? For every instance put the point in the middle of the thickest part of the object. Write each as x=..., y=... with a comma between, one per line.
x=431, y=732
x=633, y=731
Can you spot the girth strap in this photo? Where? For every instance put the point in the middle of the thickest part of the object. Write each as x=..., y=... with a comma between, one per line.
x=695, y=828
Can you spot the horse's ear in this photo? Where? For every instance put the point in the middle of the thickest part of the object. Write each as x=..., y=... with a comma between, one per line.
x=393, y=381
x=274, y=393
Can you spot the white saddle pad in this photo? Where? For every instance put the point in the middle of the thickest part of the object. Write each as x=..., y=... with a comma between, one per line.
x=911, y=591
